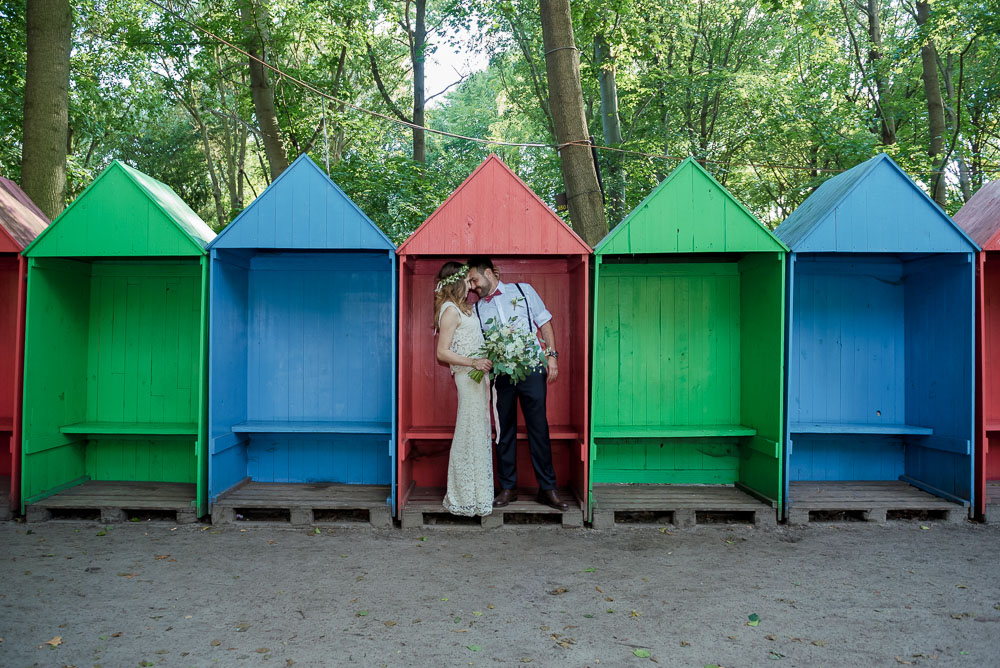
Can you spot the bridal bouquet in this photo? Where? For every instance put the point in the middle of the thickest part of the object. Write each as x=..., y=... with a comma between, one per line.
x=514, y=352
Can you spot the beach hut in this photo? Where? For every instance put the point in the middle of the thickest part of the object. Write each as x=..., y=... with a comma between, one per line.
x=491, y=213
x=687, y=368
x=980, y=218
x=880, y=351
x=301, y=362
x=114, y=392
x=20, y=222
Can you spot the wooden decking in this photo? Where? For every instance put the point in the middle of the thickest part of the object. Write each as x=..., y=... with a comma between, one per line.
x=423, y=508
x=684, y=503
x=303, y=504
x=115, y=498
x=873, y=500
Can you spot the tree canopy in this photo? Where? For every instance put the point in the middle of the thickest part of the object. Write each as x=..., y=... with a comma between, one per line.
x=771, y=98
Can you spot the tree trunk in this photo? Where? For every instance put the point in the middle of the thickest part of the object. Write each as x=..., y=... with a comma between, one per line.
x=46, y=104
x=881, y=85
x=963, y=168
x=418, y=57
x=583, y=194
x=935, y=106
x=254, y=20
x=611, y=126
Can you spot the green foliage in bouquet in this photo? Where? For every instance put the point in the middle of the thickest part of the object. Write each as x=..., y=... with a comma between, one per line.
x=514, y=352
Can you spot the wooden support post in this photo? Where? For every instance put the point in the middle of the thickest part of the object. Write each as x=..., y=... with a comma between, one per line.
x=109, y=515
x=301, y=516
x=37, y=514
x=684, y=519
x=875, y=515
x=572, y=518
x=765, y=519
x=223, y=515
x=380, y=518
x=412, y=519
x=603, y=520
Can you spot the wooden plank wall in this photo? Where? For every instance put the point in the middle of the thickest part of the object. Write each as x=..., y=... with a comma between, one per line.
x=229, y=350
x=668, y=344
x=847, y=363
x=9, y=275
x=55, y=382
x=762, y=360
x=427, y=390
x=320, y=348
x=991, y=358
x=143, y=365
x=940, y=359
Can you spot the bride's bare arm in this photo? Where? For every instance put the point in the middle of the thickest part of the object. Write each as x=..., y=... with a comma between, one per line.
x=449, y=323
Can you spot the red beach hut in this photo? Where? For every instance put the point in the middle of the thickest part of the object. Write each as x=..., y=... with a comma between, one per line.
x=20, y=222
x=980, y=218
x=492, y=213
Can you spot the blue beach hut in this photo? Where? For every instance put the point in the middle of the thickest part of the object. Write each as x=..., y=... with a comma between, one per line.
x=302, y=358
x=880, y=383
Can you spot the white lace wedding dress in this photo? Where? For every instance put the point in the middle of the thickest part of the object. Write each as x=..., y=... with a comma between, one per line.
x=470, y=464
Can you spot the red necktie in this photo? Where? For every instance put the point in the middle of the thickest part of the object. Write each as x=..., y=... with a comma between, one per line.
x=490, y=298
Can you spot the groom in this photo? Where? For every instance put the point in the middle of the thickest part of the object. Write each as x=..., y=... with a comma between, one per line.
x=520, y=301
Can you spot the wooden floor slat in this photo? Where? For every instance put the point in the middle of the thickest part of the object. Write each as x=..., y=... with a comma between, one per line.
x=312, y=495
x=428, y=500
x=125, y=495
x=668, y=497
x=854, y=495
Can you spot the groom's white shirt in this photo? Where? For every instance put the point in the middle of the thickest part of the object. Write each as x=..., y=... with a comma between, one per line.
x=502, y=307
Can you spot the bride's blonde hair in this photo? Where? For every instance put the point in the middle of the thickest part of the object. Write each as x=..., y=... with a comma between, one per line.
x=450, y=290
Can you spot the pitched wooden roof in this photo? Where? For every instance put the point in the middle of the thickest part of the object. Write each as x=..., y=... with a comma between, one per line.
x=689, y=212
x=20, y=219
x=302, y=208
x=124, y=213
x=980, y=217
x=873, y=207
x=495, y=213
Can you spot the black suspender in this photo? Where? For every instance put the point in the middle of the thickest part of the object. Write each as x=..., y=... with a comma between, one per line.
x=527, y=305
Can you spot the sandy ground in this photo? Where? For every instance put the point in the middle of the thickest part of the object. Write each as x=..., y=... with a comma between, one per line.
x=150, y=594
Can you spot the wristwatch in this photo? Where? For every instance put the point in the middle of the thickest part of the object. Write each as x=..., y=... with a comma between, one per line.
x=552, y=353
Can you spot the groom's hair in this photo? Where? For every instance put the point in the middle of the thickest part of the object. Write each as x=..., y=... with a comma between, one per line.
x=481, y=263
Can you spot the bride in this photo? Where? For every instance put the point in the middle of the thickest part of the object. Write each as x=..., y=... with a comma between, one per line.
x=470, y=464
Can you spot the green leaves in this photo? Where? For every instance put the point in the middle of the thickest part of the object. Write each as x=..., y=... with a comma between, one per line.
x=754, y=620
x=642, y=653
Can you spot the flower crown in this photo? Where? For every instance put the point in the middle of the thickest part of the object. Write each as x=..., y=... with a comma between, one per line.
x=459, y=275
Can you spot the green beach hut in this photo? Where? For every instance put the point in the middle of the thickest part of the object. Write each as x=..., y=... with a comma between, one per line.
x=115, y=383
x=688, y=345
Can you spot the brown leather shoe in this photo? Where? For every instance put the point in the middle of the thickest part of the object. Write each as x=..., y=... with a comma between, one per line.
x=548, y=497
x=505, y=497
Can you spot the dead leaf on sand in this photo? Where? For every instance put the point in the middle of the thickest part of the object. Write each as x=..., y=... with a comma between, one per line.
x=55, y=642
x=558, y=590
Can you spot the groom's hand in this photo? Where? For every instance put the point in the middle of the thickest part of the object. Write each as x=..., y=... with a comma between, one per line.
x=553, y=369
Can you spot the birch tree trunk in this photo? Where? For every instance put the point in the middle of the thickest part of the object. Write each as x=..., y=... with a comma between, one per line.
x=611, y=126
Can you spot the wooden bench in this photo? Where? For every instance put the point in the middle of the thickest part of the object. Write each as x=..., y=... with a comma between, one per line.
x=100, y=429
x=675, y=431
x=858, y=428
x=314, y=427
